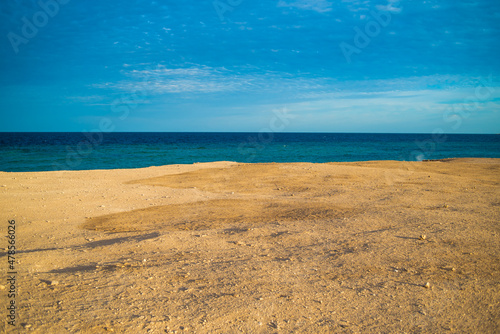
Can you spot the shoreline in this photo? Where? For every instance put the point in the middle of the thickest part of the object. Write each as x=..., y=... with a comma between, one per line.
x=258, y=247
x=462, y=159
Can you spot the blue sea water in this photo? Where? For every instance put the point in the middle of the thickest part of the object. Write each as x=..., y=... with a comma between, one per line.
x=83, y=151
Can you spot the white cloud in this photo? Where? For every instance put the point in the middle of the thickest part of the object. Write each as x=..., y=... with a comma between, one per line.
x=203, y=79
x=429, y=93
x=426, y=102
x=393, y=6
x=320, y=6
x=162, y=80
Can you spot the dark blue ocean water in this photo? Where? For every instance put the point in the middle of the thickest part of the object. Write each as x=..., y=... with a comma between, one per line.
x=79, y=151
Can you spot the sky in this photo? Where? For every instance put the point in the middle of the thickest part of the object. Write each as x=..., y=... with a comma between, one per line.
x=389, y=66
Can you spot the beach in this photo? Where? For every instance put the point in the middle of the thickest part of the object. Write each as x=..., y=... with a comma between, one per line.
x=226, y=247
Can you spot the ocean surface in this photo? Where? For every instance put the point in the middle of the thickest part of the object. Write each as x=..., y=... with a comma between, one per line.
x=21, y=152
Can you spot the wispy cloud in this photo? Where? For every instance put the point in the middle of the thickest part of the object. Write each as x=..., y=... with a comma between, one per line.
x=320, y=6
x=393, y=6
x=198, y=79
x=162, y=80
x=407, y=111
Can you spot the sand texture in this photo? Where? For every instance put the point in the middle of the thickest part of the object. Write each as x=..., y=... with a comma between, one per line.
x=256, y=248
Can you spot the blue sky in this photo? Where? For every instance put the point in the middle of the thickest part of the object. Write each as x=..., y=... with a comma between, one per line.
x=229, y=65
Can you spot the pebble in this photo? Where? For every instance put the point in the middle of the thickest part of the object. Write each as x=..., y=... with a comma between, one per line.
x=427, y=285
x=343, y=324
x=423, y=237
x=53, y=283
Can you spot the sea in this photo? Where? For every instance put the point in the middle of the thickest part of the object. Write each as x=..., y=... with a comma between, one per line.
x=50, y=151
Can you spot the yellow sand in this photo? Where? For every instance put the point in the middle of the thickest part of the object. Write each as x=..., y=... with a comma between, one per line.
x=257, y=248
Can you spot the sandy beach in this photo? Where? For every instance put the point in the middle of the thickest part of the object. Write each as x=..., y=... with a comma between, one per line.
x=224, y=247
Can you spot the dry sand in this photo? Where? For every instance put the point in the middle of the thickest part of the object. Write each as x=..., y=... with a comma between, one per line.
x=256, y=248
